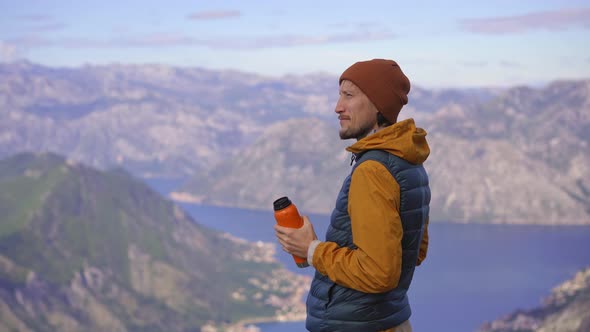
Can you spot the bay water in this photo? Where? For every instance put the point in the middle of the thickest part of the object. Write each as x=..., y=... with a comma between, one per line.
x=473, y=273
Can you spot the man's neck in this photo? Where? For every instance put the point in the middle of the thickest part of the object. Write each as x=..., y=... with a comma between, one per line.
x=371, y=132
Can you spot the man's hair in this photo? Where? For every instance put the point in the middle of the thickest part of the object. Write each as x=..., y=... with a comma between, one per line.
x=382, y=121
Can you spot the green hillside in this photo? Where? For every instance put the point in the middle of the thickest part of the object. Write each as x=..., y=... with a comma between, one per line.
x=87, y=250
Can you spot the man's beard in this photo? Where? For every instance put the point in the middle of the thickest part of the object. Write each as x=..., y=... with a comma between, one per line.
x=357, y=133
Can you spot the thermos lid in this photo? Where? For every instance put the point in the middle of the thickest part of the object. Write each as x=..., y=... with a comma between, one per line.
x=281, y=203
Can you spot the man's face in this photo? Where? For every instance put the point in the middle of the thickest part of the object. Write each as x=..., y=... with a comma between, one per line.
x=357, y=114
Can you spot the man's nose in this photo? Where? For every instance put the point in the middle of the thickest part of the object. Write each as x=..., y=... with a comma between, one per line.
x=339, y=108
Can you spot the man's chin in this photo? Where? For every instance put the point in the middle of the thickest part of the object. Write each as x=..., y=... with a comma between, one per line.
x=356, y=134
x=345, y=135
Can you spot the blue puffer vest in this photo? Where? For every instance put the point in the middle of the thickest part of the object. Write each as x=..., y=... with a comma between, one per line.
x=331, y=307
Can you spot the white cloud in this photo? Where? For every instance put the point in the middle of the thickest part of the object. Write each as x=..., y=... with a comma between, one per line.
x=8, y=52
x=36, y=18
x=40, y=23
x=548, y=20
x=231, y=42
x=214, y=15
x=473, y=63
x=510, y=64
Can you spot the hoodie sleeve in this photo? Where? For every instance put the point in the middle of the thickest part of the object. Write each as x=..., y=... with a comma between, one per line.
x=373, y=206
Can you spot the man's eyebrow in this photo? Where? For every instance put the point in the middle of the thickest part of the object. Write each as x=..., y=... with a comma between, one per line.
x=346, y=87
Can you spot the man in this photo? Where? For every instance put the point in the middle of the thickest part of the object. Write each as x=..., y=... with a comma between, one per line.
x=378, y=229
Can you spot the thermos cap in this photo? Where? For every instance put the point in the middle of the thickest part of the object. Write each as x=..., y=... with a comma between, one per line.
x=281, y=203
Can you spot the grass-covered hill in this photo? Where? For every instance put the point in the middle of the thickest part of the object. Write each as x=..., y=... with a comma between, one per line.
x=85, y=250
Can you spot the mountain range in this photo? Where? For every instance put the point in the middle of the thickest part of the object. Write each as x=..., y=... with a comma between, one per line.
x=519, y=157
x=89, y=250
x=499, y=155
x=564, y=310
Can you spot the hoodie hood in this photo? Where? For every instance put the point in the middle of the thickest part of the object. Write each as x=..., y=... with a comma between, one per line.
x=402, y=139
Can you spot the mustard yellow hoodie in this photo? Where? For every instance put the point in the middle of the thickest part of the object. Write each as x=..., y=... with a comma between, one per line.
x=373, y=206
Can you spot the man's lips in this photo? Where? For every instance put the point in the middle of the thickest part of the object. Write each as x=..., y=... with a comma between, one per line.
x=343, y=119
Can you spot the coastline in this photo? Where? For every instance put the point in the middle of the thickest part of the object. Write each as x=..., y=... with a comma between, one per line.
x=249, y=324
x=293, y=310
x=285, y=291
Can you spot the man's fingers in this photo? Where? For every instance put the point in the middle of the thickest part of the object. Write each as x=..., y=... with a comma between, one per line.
x=285, y=246
x=306, y=220
x=283, y=239
x=308, y=223
x=282, y=230
x=280, y=237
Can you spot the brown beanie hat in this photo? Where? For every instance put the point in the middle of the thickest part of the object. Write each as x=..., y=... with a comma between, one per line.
x=383, y=82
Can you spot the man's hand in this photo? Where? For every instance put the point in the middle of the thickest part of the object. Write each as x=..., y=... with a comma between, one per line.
x=296, y=240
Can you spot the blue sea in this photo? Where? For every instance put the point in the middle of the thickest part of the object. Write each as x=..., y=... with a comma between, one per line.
x=473, y=273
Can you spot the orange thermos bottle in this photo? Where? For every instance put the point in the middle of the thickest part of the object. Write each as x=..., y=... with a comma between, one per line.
x=286, y=215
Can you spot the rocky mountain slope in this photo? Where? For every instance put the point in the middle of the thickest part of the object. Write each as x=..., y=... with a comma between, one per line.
x=567, y=309
x=151, y=119
x=520, y=157
x=292, y=158
x=517, y=155
x=157, y=120
x=84, y=250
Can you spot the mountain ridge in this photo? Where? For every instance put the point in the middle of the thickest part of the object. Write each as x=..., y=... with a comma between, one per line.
x=524, y=151
x=564, y=310
x=95, y=114
x=516, y=179
x=89, y=250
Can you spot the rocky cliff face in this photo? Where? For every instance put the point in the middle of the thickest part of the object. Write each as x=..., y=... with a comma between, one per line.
x=153, y=120
x=85, y=250
x=520, y=157
x=157, y=120
x=567, y=309
x=515, y=155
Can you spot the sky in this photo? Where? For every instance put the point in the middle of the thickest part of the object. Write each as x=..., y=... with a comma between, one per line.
x=453, y=43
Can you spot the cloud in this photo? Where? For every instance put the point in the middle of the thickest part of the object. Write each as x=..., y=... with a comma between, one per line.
x=423, y=61
x=228, y=43
x=510, y=64
x=214, y=15
x=548, y=20
x=474, y=63
x=355, y=25
x=40, y=23
x=8, y=52
x=36, y=18
x=302, y=40
x=49, y=26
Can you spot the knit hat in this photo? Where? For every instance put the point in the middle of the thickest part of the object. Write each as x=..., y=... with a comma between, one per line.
x=383, y=82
